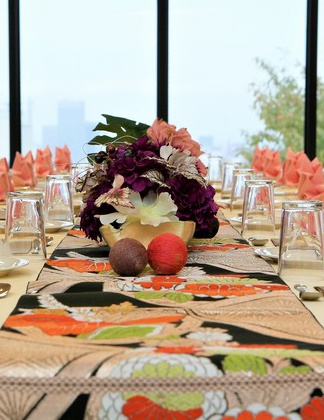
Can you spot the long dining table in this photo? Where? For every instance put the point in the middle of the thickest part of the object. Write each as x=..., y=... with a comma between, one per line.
x=226, y=338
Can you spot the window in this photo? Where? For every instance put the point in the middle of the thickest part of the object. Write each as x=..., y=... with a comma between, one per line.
x=81, y=59
x=214, y=45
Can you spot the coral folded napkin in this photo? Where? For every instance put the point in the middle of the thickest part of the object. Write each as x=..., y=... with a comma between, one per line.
x=5, y=180
x=258, y=159
x=43, y=162
x=292, y=166
x=311, y=182
x=62, y=159
x=271, y=164
x=4, y=167
x=23, y=171
x=266, y=161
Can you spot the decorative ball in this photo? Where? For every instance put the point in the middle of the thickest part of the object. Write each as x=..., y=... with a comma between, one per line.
x=128, y=257
x=167, y=253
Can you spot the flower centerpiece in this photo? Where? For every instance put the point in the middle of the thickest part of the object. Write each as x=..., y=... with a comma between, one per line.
x=147, y=174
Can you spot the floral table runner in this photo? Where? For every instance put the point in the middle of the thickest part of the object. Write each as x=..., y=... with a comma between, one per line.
x=223, y=339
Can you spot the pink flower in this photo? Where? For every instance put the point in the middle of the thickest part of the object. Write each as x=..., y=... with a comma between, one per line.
x=161, y=131
x=182, y=140
x=201, y=168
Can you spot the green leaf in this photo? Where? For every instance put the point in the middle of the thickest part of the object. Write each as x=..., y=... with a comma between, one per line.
x=234, y=363
x=113, y=333
x=295, y=369
x=228, y=280
x=162, y=370
x=100, y=140
x=120, y=130
x=179, y=297
x=150, y=295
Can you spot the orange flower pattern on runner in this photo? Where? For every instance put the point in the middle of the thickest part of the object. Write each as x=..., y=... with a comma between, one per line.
x=140, y=407
x=160, y=282
x=81, y=265
x=56, y=324
x=314, y=410
x=76, y=232
x=223, y=290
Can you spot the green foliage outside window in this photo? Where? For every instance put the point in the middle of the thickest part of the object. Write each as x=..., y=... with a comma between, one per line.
x=279, y=103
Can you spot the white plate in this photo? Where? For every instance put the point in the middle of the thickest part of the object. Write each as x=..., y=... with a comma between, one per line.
x=224, y=201
x=239, y=220
x=236, y=220
x=8, y=263
x=55, y=226
x=272, y=253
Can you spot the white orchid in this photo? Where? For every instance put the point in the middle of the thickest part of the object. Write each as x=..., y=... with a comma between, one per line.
x=152, y=210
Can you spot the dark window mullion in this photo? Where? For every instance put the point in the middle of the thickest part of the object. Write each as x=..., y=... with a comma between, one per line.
x=311, y=79
x=162, y=58
x=14, y=79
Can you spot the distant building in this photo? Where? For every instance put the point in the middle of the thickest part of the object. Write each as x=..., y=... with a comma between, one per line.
x=71, y=127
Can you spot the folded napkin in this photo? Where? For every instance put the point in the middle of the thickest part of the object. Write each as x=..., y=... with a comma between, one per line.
x=29, y=158
x=43, y=162
x=258, y=159
x=23, y=171
x=271, y=164
x=4, y=167
x=311, y=182
x=5, y=185
x=293, y=164
x=62, y=159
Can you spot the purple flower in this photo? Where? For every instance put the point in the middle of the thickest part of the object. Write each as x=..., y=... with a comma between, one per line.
x=136, y=163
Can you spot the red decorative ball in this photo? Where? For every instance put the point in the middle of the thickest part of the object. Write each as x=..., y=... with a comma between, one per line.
x=167, y=253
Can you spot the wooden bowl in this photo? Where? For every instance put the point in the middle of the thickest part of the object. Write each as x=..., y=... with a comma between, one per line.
x=145, y=233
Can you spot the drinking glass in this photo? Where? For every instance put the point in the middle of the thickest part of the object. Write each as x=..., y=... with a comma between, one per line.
x=238, y=188
x=301, y=239
x=227, y=178
x=78, y=171
x=258, y=207
x=58, y=199
x=25, y=231
x=215, y=168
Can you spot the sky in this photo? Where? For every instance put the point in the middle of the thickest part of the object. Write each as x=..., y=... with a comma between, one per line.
x=103, y=53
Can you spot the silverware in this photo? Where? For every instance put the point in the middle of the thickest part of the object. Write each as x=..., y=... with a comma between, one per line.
x=49, y=240
x=4, y=289
x=36, y=244
x=258, y=241
x=306, y=294
x=300, y=287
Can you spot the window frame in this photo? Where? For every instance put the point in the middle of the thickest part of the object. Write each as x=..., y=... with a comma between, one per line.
x=162, y=73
